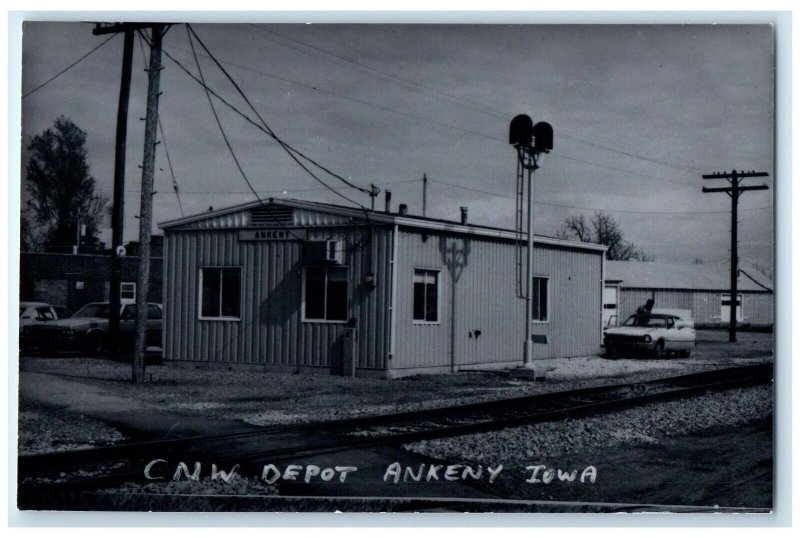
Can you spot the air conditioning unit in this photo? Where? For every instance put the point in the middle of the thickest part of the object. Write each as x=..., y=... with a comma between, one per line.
x=334, y=251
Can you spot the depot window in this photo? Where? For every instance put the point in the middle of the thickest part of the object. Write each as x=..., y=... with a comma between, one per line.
x=539, y=299
x=220, y=292
x=325, y=294
x=426, y=296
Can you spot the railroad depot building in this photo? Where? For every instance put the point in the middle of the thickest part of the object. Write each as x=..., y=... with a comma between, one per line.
x=702, y=288
x=292, y=285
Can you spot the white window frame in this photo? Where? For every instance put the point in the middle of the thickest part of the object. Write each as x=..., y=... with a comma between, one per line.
x=740, y=297
x=122, y=285
x=200, y=315
x=438, y=273
x=303, y=317
x=547, y=299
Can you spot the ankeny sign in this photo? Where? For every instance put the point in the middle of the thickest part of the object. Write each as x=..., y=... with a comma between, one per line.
x=272, y=234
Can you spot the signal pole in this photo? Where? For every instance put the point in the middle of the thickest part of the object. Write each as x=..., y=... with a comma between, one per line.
x=146, y=211
x=530, y=141
x=734, y=191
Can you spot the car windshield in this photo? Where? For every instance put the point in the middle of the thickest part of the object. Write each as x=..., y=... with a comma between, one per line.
x=646, y=321
x=92, y=310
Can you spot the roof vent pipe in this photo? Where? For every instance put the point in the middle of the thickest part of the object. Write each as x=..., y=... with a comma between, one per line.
x=388, y=195
x=402, y=209
x=464, y=210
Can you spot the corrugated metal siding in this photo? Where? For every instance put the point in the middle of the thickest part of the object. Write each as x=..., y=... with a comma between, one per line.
x=271, y=330
x=242, y=219
x=486, y=300
x=305, y=217
x=757, y=307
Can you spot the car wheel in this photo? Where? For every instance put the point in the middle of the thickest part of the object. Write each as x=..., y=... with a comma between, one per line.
x=93, y=345
x=658, y=350
x=612, y=352
x=686, y=353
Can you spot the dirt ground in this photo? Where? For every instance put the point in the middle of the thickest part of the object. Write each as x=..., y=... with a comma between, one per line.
x=261, y=398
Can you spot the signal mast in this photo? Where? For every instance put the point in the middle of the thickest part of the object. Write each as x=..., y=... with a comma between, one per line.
x=530, y=141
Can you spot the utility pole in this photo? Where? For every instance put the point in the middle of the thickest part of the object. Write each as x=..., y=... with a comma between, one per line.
x=373, y=192
x=734, y=191
x=118, y=208
x=424, y=195
x=146, y=211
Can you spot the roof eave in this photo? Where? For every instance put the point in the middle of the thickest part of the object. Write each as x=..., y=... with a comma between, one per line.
x=388, y=218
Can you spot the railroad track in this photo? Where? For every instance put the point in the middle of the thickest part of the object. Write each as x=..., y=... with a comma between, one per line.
x=274, y=443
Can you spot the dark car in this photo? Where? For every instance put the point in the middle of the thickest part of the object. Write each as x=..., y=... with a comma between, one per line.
x=87, y=330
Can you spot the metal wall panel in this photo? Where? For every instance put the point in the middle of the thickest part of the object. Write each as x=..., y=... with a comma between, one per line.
x=757, y=307
x=271, y=330
x=483, y=274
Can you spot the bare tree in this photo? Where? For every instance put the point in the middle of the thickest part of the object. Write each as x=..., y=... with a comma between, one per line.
x=576, y=228
x=61, y=189
x=603, y=230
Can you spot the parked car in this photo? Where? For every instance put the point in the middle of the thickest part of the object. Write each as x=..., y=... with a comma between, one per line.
x=31, y=313
x=87, y=330
x=659, y=333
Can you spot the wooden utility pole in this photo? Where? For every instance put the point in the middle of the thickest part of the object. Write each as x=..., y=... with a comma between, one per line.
x=118, y=208
x=146, y=211
x=734, y=192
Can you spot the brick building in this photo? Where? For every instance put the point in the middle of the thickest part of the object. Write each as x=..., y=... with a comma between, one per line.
x=72, y=280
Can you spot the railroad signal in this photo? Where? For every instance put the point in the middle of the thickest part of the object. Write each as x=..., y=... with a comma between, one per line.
x=530, y=141
x=520, y=132
x=543, y=137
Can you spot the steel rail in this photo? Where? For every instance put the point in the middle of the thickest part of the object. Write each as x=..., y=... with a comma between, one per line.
x=492, y=415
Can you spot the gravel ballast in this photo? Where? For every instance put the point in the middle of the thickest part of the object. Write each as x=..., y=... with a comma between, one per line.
x=44, y=429
x=647, y=424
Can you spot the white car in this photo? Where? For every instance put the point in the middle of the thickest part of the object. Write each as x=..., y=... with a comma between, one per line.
x=660, y=332
x=32, y=313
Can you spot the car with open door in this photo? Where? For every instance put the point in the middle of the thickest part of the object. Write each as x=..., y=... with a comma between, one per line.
x=657, y=333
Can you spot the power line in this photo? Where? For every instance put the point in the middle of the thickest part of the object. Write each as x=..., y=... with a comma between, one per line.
x=459, y=100
x=473, y=132
x=289, y=150
x=169, y=163
x=384, y=74
x=319, y=89
x=630, y=154
x=219, y=124
x=163, y=136
x=278, y=191
x=70, y=66
x=553, y=204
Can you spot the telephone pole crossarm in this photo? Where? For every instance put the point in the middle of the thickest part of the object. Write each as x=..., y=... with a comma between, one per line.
x=717, y=189
x=734, y=190
x=725, y=175
x=117, y=27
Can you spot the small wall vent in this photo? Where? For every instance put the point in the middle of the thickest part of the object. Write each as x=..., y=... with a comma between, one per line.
x=272, y=215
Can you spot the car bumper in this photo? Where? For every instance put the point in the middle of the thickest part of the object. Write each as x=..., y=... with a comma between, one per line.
x=628, y=345
x=53, y=344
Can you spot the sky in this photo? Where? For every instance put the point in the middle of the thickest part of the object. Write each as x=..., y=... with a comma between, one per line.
x=639, y=113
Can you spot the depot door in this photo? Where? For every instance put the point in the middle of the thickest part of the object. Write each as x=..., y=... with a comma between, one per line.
x=725, y=308
x=610, y=306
